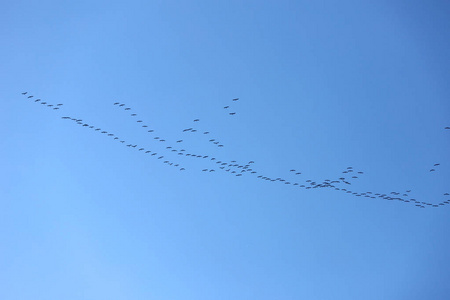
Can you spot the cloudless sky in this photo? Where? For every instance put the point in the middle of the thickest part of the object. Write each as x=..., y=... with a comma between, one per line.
x=322, y=86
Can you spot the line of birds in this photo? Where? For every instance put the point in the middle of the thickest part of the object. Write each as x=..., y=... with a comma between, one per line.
x=241, y=169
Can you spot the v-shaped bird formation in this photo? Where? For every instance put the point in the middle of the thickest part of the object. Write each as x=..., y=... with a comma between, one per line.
x=174, y=151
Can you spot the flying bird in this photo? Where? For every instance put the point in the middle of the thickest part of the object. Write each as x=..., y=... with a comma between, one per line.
x=196, y=120
x=232, y=113
x=235, y=99
x=24, y=93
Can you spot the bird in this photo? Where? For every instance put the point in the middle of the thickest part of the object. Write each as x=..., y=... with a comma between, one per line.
x=133, y=115
x=127, y=108
x=116, y=103
x=24, y=93
x=122, y=105
x=292, y=170
x=447, y=127
x=235, y=99
x=55, y=108
x=37, y=100
x=196, y=120
x=59, y=104
x=432, y=170
x=206, y=132
x=30, y=97
x=179, y=141
x=436, y=165
x=232, y=113
x=298, y=173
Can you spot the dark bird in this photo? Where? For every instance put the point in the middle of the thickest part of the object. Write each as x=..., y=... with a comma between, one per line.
x=127, y=108
x=206, y=132
x=24, y=93
x=226, y=106
x=196, y=120
x=139, y=121
x=182, y=169
x=59, y=104
x=436, y=165
x=37, y=100
x=447, y=127
x=133, y=115
x=298, y=173
x=151, y=130
x=55, y=107
x=232, y=114
x=432, y=170
x=292, y=170
x=116, y=103
x=50, y=105
x=235, y=99
x=179, y=141
x=30, y=97
x=219, y=145
x=122, y=105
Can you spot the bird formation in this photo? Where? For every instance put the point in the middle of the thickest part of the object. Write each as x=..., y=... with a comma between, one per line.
x=240, y=169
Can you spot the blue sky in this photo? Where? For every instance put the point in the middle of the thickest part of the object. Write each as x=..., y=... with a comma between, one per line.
x=322, y=85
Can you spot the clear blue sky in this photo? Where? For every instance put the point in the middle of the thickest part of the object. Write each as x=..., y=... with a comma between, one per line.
x=322, y=86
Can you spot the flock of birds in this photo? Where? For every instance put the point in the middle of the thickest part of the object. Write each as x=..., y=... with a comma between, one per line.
x=233, y=167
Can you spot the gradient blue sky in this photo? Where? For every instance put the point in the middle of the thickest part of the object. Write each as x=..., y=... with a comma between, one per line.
x=322, y=85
